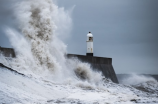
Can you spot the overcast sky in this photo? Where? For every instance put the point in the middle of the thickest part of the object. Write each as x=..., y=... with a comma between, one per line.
x=125, y=30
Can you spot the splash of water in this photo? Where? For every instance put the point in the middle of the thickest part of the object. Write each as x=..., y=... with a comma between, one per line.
x=37, y=44
x=135, y=79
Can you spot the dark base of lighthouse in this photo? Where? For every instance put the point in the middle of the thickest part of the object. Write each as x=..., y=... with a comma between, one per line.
x=89, y=54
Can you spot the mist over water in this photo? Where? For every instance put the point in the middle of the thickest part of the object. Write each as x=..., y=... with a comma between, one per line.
x=134, y=79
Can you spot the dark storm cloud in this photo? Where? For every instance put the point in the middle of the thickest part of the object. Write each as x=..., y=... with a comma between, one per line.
x=126, y=30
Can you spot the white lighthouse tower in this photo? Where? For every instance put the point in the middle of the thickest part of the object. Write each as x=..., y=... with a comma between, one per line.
x=89, y=44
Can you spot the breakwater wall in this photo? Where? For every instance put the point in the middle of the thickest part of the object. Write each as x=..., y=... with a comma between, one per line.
x=102, y=64
x=7, y=52
x=97, y=63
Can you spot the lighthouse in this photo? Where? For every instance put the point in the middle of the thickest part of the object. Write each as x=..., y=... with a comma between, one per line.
x=89, y=44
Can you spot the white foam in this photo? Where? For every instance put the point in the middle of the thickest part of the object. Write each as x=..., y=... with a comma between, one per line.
x=39, y=50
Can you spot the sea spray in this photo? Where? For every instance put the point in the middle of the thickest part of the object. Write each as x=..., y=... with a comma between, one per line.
x=134, y=79
x=38, y=47
x=38, y=30
x=141, y=82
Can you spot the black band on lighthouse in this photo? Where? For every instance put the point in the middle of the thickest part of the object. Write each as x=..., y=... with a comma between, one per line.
x=89, y=54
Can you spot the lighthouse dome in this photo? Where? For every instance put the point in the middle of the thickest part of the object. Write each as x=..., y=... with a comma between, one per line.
x=89, y=34
x=89, y=37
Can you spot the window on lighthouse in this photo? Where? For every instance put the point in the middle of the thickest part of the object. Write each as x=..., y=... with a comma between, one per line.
x=90, y=38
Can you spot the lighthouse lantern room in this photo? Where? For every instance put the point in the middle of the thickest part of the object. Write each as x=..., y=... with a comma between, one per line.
x=89, y=44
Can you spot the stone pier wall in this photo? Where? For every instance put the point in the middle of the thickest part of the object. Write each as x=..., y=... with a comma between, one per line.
x=100, y=64
x=97, y=63
x=7, y=52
